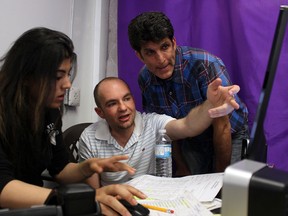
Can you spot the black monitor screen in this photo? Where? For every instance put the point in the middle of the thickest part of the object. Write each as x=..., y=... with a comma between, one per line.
x=257, y=146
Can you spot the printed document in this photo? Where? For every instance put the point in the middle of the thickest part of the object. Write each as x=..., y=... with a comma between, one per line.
x=189, y=195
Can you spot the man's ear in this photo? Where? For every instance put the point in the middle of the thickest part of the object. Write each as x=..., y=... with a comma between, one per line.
x=99, y=112
x=174, y=42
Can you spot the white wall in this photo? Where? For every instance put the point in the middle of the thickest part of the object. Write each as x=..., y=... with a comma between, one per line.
x=85, y=21
x=18, y=16
x=89, y=33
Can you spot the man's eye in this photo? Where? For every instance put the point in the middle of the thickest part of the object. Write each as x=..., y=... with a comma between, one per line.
x=110, y=104
x=127, y=98
x=149, y=53
x=165, y=46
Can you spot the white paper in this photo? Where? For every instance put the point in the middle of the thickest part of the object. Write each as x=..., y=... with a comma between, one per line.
x=204, y=187
x=184, y=195
x=182, y=206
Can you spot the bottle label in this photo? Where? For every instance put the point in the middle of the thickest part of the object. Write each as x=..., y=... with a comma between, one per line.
x=162, y=151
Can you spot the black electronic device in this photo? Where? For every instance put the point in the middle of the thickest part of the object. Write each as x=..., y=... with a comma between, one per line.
x=256, y=147
x=34, y=211
x=66, y=200
x=251, y=188
x=137, y=210
x=77, y=200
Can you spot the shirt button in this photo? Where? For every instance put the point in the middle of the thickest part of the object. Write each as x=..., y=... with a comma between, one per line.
x=170, y=93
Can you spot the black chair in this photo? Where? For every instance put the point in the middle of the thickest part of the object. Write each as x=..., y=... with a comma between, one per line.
x=70, y=138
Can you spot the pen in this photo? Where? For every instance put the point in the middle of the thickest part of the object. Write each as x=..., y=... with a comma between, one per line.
x=170, y=211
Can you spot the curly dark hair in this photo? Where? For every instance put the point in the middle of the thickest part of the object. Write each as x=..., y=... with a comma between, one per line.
x=149, y=26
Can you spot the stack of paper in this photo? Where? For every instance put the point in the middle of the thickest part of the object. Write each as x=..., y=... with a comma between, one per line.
x=186, y=196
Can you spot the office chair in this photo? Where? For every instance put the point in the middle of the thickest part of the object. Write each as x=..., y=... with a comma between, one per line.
x=70, y=138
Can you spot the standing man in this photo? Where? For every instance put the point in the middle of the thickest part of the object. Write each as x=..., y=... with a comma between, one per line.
x=173, y=80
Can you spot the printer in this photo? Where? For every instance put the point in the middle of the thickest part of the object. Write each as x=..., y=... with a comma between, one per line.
x=251, y=188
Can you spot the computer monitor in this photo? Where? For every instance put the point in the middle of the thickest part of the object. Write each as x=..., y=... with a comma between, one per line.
x=256, y=147
x=250, y=187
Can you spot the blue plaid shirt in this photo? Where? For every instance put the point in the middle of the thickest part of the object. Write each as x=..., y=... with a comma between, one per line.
x=194, y=70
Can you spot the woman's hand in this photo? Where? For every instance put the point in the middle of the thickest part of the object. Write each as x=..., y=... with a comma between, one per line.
x=108, y=197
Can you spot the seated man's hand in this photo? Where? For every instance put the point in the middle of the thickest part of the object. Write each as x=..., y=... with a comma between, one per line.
x=222, y=98
x=112, y=164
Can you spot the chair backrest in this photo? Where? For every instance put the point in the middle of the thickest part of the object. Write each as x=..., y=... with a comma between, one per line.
x=70, y=138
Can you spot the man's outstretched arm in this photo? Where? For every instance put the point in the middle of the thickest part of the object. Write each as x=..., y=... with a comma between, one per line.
x=220, y=102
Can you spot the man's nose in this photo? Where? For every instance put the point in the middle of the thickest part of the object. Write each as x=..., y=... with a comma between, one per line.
x=160, y=57
x=122, y=105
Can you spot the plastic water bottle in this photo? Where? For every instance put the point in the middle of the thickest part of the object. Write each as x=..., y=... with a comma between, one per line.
x=163, y=154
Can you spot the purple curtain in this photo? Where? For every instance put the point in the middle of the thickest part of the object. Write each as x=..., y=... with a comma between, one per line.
x=241, y=34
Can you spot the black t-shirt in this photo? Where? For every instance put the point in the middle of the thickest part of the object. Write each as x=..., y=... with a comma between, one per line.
x=54, y=163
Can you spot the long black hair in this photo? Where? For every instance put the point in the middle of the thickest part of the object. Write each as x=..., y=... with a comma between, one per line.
x=28, y=78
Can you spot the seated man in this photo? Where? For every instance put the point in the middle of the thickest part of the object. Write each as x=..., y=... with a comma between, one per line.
x=125, y=131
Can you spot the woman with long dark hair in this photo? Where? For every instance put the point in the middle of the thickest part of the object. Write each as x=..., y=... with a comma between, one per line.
x=34, y=75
